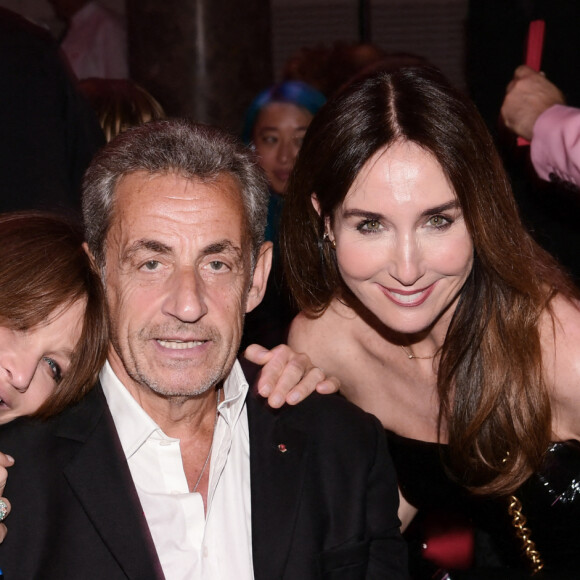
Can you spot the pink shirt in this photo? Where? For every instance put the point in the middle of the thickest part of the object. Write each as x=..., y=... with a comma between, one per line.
x=555, y=147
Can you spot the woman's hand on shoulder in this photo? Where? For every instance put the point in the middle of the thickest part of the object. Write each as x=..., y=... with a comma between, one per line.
x=288, y=376
x=5, y=461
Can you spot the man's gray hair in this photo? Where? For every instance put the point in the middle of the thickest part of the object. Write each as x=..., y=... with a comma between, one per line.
x=193, y=151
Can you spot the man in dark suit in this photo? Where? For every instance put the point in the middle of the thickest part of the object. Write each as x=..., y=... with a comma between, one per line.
x=169, y=468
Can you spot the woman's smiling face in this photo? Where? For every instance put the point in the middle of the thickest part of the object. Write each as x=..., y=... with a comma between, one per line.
x=402, y=244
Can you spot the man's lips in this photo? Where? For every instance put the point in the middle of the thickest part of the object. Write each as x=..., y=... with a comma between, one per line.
x=408, y=297
x=175, y=344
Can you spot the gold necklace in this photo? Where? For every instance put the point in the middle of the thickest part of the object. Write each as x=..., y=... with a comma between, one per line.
x=410, y=355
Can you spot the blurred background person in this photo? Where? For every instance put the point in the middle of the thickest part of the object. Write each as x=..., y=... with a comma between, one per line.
x=49, y=132
x=120, y=104
x=274, y=127
x=327, y=68
x=534, y=108
x=95, y=41
x=495, y=48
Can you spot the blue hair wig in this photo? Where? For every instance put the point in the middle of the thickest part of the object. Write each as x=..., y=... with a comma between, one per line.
x=292, y=92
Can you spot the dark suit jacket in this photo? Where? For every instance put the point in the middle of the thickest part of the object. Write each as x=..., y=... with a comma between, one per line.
x=326, y=508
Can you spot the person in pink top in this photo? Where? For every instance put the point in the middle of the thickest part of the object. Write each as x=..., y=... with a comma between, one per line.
x=95, y=43
x=535, y=109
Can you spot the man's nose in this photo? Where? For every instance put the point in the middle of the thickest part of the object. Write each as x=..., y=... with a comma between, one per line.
x=185, y=296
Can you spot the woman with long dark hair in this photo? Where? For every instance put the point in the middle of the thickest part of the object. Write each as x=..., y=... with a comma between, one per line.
x=424, y=294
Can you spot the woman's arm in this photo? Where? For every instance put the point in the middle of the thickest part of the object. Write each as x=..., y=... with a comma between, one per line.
x=406, y=512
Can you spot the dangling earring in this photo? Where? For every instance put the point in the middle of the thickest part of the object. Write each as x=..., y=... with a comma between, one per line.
x=326, y=238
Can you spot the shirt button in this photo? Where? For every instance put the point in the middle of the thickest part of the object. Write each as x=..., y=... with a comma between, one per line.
x=205, y=552
x=164, y=443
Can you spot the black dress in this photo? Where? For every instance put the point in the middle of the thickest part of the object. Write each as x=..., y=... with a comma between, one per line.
x=550, y=502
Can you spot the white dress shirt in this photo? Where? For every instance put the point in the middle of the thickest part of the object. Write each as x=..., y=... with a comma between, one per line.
x=189, y=543
x=96, y=44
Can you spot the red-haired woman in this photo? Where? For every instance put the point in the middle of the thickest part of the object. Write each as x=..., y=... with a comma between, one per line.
x=53, y=327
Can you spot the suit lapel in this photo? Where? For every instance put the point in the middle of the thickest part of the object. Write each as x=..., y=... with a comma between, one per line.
x=101, y=480
x=278, y=457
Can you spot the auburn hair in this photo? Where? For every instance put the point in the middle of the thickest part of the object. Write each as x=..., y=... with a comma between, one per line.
x=45, y=269
x=493, y=400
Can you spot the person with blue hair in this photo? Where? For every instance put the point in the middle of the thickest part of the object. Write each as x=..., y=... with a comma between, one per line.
x=274, y=126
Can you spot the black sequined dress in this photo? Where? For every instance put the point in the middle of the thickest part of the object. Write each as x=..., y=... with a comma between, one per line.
x=550, y=502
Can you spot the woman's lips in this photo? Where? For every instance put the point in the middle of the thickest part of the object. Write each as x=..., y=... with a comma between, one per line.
x=408, y=298
x=282, y=175
x=3, y=403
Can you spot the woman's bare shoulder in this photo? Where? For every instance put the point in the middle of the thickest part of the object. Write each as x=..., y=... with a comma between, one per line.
x=324, y=338
x=560, y=336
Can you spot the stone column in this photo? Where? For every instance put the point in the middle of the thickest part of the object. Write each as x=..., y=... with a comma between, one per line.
x=204, y=59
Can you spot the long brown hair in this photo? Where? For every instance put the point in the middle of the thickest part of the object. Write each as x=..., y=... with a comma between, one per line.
x=44, y=268
x=493, y=399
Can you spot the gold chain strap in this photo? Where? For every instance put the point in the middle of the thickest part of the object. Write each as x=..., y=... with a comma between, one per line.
x=523, y=533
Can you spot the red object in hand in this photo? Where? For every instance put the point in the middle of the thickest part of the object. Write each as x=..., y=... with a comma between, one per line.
x=534, y=53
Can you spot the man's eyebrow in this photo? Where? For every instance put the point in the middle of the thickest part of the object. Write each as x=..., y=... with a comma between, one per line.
x=223, y=246
x=148, y=245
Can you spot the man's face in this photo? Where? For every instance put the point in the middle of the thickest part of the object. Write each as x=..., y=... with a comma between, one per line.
x=178, y=282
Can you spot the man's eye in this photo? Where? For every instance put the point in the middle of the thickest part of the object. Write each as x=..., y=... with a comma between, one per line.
x=151, y=265
x=54, y=368
x=217, y=266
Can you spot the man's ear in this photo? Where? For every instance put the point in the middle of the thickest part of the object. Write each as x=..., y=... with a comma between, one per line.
x=260, y=277
x=90, y=255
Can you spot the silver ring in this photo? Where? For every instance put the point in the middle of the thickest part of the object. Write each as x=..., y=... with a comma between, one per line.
x=3, y=509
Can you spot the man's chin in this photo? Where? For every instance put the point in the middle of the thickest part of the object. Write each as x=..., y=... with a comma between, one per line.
x=179, y=384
